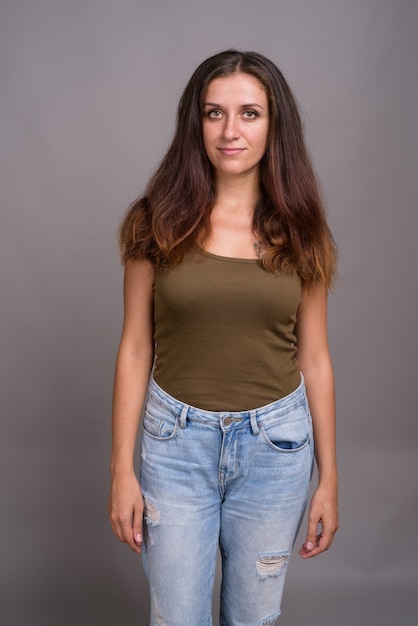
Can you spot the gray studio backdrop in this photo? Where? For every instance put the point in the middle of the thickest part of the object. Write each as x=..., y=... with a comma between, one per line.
x=88, y=97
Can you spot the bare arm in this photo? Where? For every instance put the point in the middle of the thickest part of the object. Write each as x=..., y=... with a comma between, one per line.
x=133, y=367
x=315, y=364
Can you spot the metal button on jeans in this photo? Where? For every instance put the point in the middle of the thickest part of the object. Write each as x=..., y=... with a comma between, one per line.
x=229, y=420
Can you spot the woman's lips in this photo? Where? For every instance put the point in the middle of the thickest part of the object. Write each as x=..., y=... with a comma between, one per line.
x=231, y=151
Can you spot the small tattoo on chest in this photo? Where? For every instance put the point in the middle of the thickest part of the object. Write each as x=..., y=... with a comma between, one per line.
x=258, y=249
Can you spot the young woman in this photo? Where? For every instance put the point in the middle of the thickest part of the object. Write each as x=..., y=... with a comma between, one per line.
x=228, y=260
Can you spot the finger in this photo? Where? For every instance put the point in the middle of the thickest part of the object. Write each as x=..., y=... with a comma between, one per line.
x=312, y=538
x=322, y=543
x=308, y=548
x=318, y=549
x=326, y=539
x=122, y=527
x=137, y=527
x=128, y=536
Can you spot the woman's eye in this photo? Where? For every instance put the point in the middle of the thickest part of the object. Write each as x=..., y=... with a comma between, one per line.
x=215, y=114
x=250, y=115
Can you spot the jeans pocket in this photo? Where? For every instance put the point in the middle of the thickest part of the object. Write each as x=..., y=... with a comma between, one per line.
x=288, y=432
x=159, y=422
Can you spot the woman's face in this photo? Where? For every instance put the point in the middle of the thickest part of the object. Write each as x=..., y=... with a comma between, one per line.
x=235, y=124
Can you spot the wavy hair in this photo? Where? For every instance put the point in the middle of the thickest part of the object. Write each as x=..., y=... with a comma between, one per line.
x=289, y=219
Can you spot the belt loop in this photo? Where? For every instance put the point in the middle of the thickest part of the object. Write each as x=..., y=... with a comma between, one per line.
x=183, y=416
x=253, y=421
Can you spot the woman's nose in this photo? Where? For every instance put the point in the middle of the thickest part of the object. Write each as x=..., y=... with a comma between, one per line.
x=231, y=128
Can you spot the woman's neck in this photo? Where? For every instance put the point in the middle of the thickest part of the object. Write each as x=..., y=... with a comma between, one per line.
x=237, y=195
x=230, y=232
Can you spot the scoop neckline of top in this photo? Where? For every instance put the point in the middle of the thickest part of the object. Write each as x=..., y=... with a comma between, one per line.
x=230, y=259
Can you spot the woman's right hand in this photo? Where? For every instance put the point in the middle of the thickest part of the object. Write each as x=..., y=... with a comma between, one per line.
x=126, y=510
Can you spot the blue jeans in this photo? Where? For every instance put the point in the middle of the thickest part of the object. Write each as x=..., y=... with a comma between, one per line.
x=237, y=479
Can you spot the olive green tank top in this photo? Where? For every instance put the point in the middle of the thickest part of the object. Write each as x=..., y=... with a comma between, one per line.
x=224, y=332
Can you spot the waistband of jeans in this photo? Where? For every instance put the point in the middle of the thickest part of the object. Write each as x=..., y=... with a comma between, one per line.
x=257, y=415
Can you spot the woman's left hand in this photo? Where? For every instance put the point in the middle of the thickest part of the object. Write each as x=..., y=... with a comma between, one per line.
x=323, y=522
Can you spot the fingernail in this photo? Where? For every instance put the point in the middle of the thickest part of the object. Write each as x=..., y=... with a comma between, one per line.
x=309, y=545
x=138, y=538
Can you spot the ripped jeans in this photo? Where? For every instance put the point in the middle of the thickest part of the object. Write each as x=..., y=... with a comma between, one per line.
x=237, y=479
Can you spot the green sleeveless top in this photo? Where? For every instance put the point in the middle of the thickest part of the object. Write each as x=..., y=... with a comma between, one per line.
x=224, y=332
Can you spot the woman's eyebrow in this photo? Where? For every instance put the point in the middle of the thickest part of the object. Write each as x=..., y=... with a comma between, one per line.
x=250, y=105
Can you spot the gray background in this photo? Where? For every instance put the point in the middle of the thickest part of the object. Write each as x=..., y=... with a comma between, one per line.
x=88, y=97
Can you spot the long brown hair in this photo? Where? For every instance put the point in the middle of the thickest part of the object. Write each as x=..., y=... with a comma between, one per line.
x=164, y=224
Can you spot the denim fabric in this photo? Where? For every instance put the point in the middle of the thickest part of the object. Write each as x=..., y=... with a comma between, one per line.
x=240, y=479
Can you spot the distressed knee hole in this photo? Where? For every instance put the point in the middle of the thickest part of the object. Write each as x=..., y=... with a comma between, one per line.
x=271, y=564
x=151, y=512
x=157, y=613
x=271, y=619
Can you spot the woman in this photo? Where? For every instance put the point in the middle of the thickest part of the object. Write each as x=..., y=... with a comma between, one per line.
x=228, y=260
